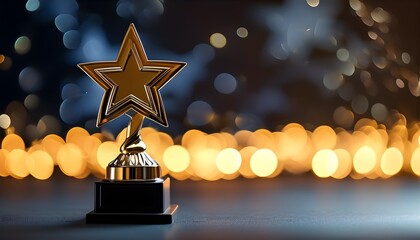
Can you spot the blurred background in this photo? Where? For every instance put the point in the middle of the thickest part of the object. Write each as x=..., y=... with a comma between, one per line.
x=251, y=65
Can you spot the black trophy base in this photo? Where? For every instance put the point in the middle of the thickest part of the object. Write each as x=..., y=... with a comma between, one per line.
x=138, y=202
x=133, y=218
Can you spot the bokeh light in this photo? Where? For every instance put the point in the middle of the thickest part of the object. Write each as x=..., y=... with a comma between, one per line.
x=40, y=165
x=200, y=113
x=12, y=141
x=30, y=80
x=32, y=5
x=325, y=163
x=5, y=121
x=343, y=54
x=242, y=32
x=23, y=45
x=65, y=22
x=246, y=154
x=345, y=166
x=107, y=152
x=343, y=117
x=313, y=3
x=263, y=162
x=324, y=137
x=218, y=40
x=405, y=57
x=71, y=39
x=364, y=160
x=3, y=168
x=204, y=165
x=379, y=112
x=391, y=161
x=52, y=143
x=228, y=161
x=415, y=161
x=368, y=151
x=31, y=102
x=360, y=104
x=333, y=80
x=70, y=160
x=225, y=83
x=176, y=158
x=16, y=163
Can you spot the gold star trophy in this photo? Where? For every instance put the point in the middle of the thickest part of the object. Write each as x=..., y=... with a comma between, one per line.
x=133, y=190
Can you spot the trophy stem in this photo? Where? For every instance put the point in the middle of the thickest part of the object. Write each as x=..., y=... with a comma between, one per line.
x=133, y=141
x=133, y=163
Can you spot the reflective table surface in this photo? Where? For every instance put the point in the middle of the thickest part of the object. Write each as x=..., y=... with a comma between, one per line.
x=286, y=206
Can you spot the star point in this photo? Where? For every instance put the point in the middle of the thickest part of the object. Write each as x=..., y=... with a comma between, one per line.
x=132, y=82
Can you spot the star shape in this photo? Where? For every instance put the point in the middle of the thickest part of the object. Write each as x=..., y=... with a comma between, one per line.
x=132, y=82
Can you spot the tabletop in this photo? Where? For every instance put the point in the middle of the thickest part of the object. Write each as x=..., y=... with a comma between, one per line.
x=285, y=206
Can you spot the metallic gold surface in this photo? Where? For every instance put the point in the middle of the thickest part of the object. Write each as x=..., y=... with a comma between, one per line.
x=120, y=78
x=142, y=173
x=132, y=83
x=133, y=143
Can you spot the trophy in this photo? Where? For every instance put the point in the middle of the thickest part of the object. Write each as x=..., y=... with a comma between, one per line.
x=133, y=191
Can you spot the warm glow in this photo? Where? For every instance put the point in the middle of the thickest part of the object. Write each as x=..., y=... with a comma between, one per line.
x=153, y=142
x=157, y=143
x=40, y=165
x=263, y=162
x=90, y=148
x=262, y=138
x=391, y=161
x=229, y=140
x=364, y=160
x=3, y=157
x=70, y=160
x=190, y=137
x=228, y=161
x=325, y=163
x=12, y=141
x=246, y=154
x=147, y=130
x=75, y=134
x=35, y=147
x=372, y=150
x=415, y=161
x=294, y=141
x=52, y=143
x=242, y=137
x=324, y=137
x=204, y=165
x=16, y=163
x=416, y=138
x=176, y=158
x=344, y=164
x=218, y=40
x=107, y=152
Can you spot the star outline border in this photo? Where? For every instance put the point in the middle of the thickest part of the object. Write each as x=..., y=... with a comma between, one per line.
x=108, y=109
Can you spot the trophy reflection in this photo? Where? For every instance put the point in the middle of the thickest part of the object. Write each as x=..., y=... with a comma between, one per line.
x=133, y=191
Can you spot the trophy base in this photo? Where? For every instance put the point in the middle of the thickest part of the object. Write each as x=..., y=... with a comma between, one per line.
x=145, y=202
x=133, y=218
